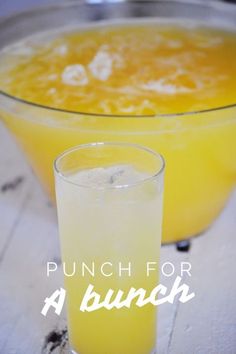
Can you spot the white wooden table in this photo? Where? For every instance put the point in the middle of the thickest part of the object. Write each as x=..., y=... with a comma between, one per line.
x=29, y=238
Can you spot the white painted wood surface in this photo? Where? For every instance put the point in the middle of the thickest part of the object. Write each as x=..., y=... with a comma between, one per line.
x=29, y=238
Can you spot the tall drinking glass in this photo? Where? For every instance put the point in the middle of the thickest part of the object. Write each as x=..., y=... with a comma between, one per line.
x=109, y=201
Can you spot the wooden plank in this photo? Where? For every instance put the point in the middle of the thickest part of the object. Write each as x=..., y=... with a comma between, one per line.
x=28, y=240
x=23, y=278
x=167, y=312
x=207, y=324
x=15, y=179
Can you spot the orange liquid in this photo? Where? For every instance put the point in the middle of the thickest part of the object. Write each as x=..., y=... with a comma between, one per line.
x=141, y=69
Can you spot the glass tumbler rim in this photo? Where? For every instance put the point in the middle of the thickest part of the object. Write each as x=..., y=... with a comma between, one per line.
x=158, y=172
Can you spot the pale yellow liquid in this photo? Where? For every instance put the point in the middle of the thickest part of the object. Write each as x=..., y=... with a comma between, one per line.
x=111, y=226
x=143, y=69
